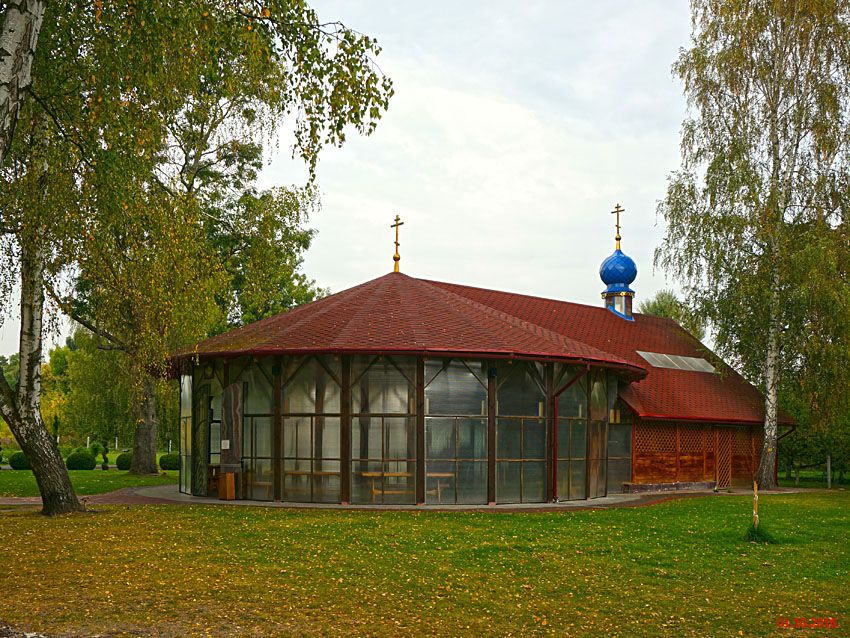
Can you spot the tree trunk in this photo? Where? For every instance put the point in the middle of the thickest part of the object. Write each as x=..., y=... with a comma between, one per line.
x=22, y=411
x=147, y=428
x=18, y=39
x=766, y=477
x=829, y=471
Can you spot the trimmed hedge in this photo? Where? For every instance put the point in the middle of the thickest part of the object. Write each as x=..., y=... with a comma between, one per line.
x=18, y=461
x=81, y=460
x=169, y=462
x=124, y=461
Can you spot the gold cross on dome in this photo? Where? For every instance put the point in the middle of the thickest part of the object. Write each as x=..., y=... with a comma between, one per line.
x=396, y=257
x=617, y=210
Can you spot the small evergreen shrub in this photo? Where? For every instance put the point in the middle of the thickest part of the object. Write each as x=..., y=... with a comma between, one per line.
x=169, y=462
x=105, y=453
x=65, y=450
x=758, y=535
x=96, y=449
x=81, y=460
x=124, y=461
x=18, y=461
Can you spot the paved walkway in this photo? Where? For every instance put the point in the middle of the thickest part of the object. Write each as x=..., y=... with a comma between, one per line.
x=169, y=495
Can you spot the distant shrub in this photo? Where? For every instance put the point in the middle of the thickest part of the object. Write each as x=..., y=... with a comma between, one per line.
x=169, y=462
x=65, y=450
x=124, y=461
x=18, y=461
x=81, y=460
x=96, y=449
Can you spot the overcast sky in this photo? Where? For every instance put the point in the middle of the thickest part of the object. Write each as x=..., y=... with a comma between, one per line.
x=515, y=128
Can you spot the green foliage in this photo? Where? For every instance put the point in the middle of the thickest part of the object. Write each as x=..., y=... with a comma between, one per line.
x=65, y=450
x=81, y=459
x=169, y=462
x=124, y=461
x=96, y=449
x=18, y=461
x=10, y=367
x=666, y=304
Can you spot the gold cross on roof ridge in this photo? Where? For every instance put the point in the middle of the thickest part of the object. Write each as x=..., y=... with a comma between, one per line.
x=396, y=256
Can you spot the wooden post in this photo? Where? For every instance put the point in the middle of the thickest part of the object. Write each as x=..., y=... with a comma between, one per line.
x=277, y=430
x=755, y=504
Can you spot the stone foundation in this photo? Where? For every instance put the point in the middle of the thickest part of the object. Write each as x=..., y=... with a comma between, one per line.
x=637, y=488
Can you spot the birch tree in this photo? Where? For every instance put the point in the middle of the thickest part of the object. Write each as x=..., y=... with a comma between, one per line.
x=764, y=150
x=21, y=22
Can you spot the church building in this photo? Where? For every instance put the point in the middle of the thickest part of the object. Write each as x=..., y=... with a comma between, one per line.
x=409, y=391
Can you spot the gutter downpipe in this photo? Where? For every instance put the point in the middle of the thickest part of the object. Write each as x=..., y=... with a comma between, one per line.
x=555, y=397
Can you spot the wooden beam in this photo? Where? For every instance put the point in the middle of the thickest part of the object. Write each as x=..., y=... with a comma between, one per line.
x=345, y=431
x=277, y=429
x=420, y=430
x=491, y=435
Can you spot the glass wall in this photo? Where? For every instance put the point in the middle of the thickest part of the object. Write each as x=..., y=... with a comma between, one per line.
x=619, y=448
x=455, y=432
x=597, y=433
x=572, y=433
x=383, y=430
x=521, y=433
x=257, y=419
x=186, y=433
x=311, y=429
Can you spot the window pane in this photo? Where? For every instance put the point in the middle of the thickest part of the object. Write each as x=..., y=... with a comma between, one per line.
x=578, y=439
x=472, y=482
x=439, y=438
x=312, y=389
x=296, y=480
x=573, y=401
x=533, y=482
x=440, y=481
x=326, y=482
x=534, y=439
x=508, y=438
x=563, y=438
x=454, y=390
x=400, y=482
x=385, y=386
x=263, y=435
x=326, y=437
x=472, y=438
x=519, y=394
x=296, y=437
x=563, y=480
x=258, y=399
x=260, y=482
x=619, y=440
x=619, y=472
x=508, y=476
x=366, y=481
x=366, y=440
x=400, y=438
x=577, y=476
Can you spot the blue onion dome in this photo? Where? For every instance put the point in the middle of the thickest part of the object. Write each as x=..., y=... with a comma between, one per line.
x=618, y=271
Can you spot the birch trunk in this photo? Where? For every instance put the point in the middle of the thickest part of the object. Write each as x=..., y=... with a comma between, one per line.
x=766, y=476
x=147, y=428
x=18, y=39
x=22, y=410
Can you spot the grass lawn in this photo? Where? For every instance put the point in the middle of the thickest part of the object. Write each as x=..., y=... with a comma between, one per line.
x=679, y=568
x=22, y=482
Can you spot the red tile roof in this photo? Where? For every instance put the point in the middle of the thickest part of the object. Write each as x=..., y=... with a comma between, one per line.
x=664, y=394
x=399, y=314
x=404, y=315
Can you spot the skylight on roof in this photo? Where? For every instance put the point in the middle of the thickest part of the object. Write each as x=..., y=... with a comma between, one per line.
x=676, y=362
